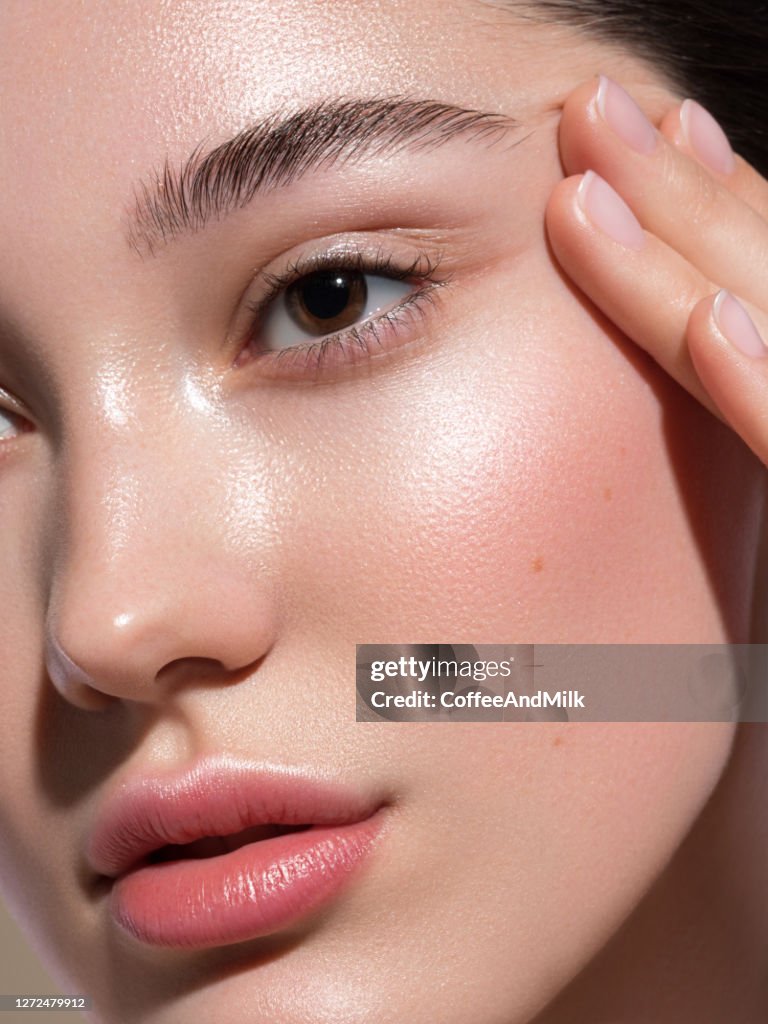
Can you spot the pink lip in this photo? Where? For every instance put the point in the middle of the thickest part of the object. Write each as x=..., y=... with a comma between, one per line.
x=277, y=878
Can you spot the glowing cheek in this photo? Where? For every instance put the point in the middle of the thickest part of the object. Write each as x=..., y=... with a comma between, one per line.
x=511, y=504
x=517, y=487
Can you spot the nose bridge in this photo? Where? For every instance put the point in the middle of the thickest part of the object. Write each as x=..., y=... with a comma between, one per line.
x=115, y=488
x=142, y=575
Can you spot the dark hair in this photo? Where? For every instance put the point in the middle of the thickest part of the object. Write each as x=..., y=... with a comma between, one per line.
x=715, y=51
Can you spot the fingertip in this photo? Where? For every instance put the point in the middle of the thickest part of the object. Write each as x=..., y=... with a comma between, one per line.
x=579, y=123
x=563, y=211
x=564, y=194
x=671, y=128
x=702, y=335
x=583, y=95
x=721, y=321
x=702, y=319
x=734, y=379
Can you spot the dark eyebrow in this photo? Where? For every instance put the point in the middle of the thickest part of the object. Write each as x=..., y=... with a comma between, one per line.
x=280, y=149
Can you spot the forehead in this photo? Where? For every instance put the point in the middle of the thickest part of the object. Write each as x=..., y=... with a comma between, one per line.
x=97, y=94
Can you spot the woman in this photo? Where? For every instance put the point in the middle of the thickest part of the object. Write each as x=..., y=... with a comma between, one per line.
x=371, y=323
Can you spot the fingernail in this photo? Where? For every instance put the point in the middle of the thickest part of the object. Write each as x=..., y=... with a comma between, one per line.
x=624, y=117
x=737, y=325
x=608, y=211
x=706, y=138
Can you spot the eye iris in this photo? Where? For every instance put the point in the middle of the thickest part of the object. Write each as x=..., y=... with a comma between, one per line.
x=328, y=300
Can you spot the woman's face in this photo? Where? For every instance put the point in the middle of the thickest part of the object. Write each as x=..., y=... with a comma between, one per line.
x=202, y=515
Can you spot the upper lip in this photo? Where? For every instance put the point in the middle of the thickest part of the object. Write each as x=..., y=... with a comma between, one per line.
x=218, y=796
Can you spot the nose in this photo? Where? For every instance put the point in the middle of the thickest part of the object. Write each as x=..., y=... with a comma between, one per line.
x=150, y=590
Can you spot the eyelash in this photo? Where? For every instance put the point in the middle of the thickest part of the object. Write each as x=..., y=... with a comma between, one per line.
x=355, y=344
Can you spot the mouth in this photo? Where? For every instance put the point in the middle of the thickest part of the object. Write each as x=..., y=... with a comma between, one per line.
x=215, y=846
x=220, y=890
x=225, y=852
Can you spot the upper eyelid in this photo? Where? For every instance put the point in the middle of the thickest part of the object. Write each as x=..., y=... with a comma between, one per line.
x=11, y=405
x=381, y=261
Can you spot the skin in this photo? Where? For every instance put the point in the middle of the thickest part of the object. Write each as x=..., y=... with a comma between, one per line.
x=517, y=468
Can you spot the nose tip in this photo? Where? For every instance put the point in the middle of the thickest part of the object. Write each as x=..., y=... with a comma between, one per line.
x=95, y=655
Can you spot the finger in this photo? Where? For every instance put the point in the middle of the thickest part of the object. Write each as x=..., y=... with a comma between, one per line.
x=643, y=285
x=692, y=130
x=674, y=197
x=725, y=340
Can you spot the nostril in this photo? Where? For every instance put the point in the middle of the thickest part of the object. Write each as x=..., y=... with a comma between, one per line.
x=203, y=669
x=72, y=681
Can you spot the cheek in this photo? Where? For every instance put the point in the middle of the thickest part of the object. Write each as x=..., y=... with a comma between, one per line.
x=570, y=823
x=541, y=475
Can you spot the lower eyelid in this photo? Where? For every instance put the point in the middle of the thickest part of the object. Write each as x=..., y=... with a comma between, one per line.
x=340, y=355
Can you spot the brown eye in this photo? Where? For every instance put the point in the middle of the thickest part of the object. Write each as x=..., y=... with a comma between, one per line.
x=327, y=301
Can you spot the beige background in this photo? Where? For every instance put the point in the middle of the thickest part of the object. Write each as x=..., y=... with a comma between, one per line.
x=21, y=973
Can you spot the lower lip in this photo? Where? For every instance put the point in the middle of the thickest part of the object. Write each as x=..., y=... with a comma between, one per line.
x=254, y=891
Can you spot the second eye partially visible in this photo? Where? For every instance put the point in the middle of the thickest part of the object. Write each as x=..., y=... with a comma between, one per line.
x=12, y=423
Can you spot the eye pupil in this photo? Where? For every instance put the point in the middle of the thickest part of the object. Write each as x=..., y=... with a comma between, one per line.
x=327, y=300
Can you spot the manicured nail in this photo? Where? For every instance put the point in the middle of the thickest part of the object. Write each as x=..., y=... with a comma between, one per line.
x=737, y=325
x=608, y=211
x=624, y=117
x=706, y=138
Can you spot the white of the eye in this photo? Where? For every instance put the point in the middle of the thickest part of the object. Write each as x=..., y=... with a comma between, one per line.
x=8, y=426
x=281, y=331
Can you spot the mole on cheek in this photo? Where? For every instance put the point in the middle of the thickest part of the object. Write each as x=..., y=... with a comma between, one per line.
x=538, y=564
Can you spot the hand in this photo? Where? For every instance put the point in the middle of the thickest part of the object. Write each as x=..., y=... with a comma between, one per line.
x=678, y=259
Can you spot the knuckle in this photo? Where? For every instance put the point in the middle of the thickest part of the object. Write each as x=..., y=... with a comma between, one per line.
x=700, y=194
x=703, y=199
